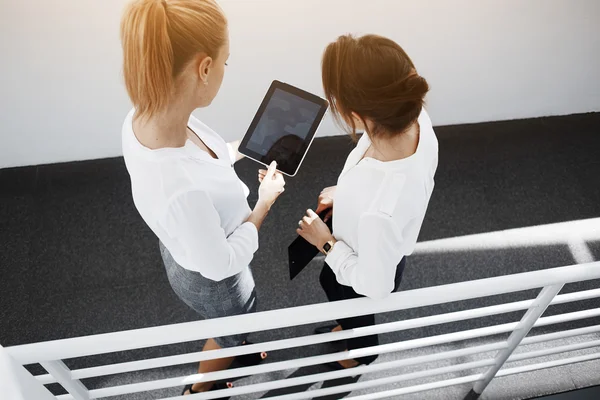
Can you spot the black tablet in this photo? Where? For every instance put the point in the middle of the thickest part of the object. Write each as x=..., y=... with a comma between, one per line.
x=284, y=127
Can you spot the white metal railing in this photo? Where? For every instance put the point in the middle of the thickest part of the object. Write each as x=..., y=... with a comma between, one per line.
x=50, y=354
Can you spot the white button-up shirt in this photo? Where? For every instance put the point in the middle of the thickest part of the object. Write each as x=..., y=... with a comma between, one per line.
x=195, y=204
x=379, y=209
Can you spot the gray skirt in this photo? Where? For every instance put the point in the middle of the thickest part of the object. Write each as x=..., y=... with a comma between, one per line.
x=210, y=299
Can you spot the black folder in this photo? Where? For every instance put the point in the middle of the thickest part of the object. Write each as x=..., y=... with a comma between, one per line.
x=300, y=252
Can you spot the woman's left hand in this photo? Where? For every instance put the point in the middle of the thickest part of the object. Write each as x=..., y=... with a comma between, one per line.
x=313, y=230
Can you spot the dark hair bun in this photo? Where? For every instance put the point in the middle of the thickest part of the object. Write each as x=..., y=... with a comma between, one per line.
x=415, y=88
x=401, y=105
x=373, y=77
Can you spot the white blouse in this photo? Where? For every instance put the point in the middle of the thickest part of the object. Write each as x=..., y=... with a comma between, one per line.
x=379, y=209
x=195, y=204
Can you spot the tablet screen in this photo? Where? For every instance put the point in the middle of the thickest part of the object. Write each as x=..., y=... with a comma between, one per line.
x=284, y=127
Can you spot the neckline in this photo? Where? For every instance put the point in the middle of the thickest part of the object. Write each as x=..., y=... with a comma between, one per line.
x=391, y=163
x=189, y=148
x=196, y=147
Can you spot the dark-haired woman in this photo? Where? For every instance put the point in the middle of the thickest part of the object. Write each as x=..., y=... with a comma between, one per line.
x=383, y=191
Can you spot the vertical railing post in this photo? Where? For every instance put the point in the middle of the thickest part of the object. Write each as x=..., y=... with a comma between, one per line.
x=17, y=383
x=62, y=373
x=534, y=312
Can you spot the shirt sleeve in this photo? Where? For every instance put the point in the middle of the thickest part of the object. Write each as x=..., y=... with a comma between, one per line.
x=372, y=272
x=193, y=221
x=233, y=151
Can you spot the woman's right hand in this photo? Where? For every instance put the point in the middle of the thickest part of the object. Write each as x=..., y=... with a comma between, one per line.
x=326, y=201
x=271, y=184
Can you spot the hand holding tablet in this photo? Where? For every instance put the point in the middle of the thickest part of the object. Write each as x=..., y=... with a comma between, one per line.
x=284, y=127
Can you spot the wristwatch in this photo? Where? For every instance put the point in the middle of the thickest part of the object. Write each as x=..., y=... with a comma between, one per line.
x=328, y=246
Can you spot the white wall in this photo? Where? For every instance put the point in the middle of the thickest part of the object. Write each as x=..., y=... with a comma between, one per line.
x=62, y=97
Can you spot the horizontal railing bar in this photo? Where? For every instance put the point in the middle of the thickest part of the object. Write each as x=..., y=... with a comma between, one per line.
x=467, y=379
x=299, y=341
x=560, y=335
x=362, y=370
x=487, y=331
x=341, y=388
x=365, y=369
x=553, y=350
x=299, y=363
x=307, y=361
x=384, y=394
x=547, y=364
x=275, y=319
x=45, y=379
x=313, y=339
x=288, y=343
x=567, y=317
x=478, y=333
x=576, y=296
x=392, y=347
x=389, y=394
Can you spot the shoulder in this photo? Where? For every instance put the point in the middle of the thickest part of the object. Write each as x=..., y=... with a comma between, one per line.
x=364, y=140
x=198, y=126
x=127, y=129
x=424, y=118
x=127, y=122
x=427, y=132
x=392, y=188
x=172, y=180
x=400, y=197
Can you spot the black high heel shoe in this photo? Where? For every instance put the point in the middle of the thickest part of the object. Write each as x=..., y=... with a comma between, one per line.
x=328, y=329
x=216, y=386
x=336, y=366
x=325, y=329
x=250, y=360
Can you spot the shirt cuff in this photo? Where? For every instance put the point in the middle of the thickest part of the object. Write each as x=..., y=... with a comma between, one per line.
x=249, y=230
x=338, y=255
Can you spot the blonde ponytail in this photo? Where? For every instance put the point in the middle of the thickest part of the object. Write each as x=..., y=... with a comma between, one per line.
x=159, y=38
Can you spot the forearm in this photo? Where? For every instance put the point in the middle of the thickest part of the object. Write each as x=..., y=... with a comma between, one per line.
x=374, y=280
x=259, y=214
x=342, y=259
x=372, y=272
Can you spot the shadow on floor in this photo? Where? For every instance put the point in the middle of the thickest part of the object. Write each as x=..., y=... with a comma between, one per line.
x=312, y=370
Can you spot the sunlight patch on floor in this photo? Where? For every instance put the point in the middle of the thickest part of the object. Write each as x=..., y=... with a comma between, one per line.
x=574, y=234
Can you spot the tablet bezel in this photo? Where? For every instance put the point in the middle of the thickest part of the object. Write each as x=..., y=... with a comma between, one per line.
x=243, y=149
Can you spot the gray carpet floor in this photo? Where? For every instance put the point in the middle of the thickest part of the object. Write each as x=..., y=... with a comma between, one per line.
x=76, y=258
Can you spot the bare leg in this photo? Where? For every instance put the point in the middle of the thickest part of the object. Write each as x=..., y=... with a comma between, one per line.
x=345, y=363
x=219, y=364
x=210, y=366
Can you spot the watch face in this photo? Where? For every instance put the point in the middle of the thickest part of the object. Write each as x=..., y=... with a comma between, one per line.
x=326, y=247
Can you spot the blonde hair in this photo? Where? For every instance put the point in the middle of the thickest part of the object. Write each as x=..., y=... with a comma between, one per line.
x=159, y=39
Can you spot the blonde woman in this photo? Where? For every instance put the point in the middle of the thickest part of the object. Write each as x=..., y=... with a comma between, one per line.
x=182, y=177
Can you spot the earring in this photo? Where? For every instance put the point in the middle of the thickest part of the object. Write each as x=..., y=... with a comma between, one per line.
x=205, y=83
